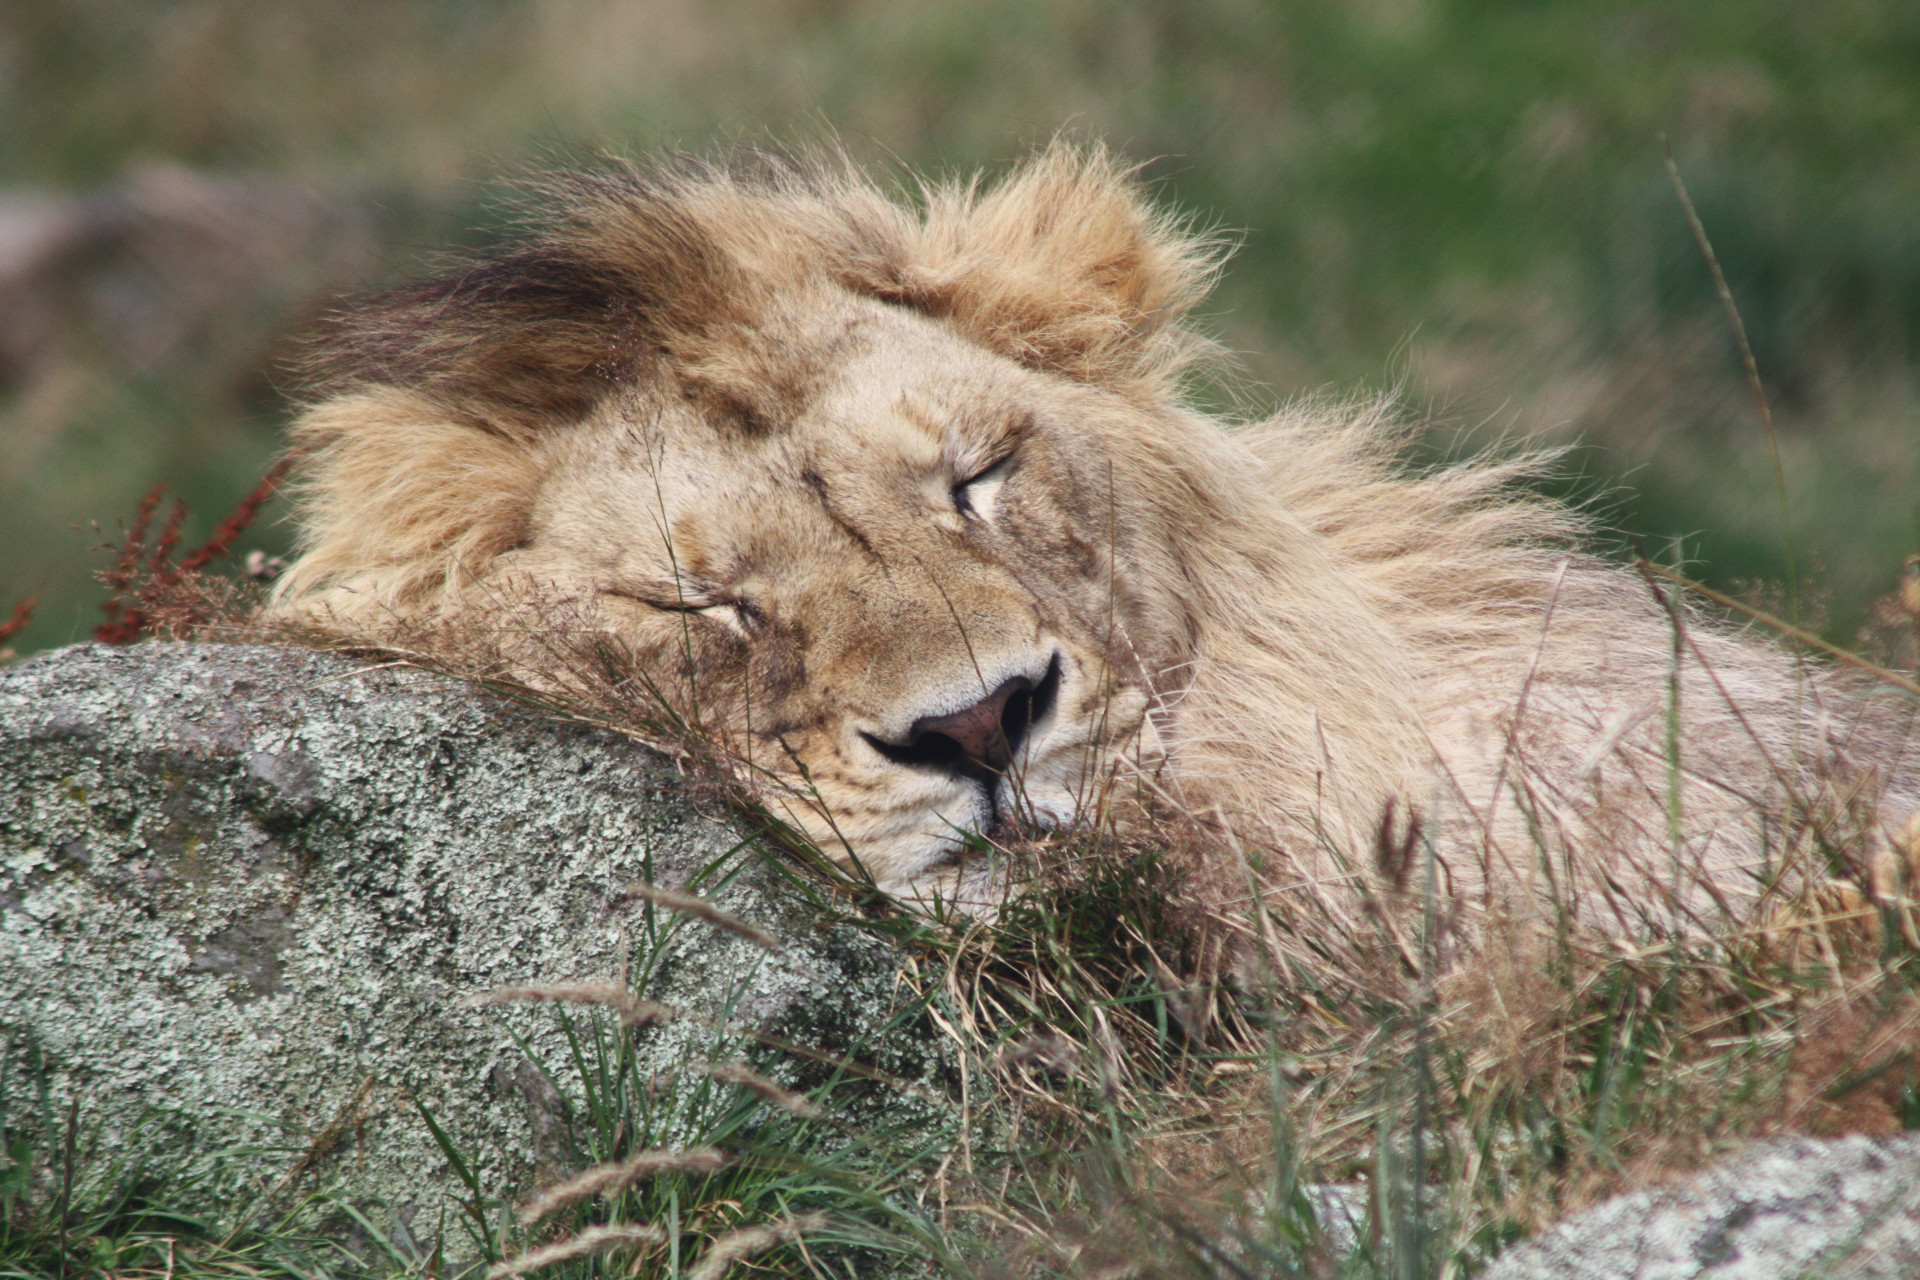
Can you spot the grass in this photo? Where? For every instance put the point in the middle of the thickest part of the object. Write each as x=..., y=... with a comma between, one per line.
x=71, y=1207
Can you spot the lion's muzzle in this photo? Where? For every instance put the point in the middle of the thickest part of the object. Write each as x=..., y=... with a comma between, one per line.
x=980, y=742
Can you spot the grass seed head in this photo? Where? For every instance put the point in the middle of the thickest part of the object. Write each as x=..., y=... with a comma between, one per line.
x=589, y=1243
x=737, y=1245
x=606, y=1179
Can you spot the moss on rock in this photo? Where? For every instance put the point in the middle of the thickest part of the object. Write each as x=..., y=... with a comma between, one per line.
x=247, y=896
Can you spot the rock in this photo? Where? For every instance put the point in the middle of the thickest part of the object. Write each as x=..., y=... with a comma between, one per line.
x=1788, y=1207
x=257, y=889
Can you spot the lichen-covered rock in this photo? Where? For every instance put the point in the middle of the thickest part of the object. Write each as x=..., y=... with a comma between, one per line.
x=1790, y=1207
x=257, y=889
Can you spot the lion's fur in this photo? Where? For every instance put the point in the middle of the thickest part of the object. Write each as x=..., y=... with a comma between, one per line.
x=1545, y=680
x=690, y=374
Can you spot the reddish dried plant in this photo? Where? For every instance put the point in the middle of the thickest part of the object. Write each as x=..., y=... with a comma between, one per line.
x=13, y=626
x=152, y=593
x=22, y=615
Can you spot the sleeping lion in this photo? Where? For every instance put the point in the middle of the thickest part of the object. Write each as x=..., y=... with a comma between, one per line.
x=899, y=498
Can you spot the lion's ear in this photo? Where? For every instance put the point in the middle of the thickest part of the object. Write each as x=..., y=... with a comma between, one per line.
x=1063, y=266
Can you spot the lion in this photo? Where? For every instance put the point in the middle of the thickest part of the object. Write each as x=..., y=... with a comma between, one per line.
x=904, y=497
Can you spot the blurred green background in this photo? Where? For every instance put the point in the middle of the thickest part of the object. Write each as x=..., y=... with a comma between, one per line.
x=1464, y=201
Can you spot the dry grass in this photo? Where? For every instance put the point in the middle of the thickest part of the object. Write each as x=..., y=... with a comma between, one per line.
x=1172, y=1069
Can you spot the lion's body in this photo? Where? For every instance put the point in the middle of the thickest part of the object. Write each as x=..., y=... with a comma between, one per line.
x=849, y=479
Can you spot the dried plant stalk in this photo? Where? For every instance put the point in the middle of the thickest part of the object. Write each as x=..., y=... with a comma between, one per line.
x=589, y=1242
x=749, y=1079
x=605, y=1179
x=735, y=1245
x=634, y=1012
x=701, y=909
x=22, y=615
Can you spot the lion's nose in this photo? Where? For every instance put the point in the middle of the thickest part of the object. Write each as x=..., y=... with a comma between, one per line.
x=982, y=738
x=984, y=733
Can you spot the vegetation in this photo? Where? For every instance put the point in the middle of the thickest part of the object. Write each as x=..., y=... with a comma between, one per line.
x=1463, y=200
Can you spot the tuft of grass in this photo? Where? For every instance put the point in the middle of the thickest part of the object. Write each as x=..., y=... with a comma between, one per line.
x=71, y=1206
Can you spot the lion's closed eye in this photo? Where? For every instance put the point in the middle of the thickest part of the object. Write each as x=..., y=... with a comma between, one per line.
x=710, y=602
x=672, y=597
x=976, y=495
x=668, y=597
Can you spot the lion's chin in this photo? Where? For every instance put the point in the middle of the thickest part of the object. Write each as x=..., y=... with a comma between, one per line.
x=974, y=875
x=976, y=886
x=939, y=867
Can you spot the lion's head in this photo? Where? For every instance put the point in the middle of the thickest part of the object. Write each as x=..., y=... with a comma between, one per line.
x=899, y=499
x=876, y=493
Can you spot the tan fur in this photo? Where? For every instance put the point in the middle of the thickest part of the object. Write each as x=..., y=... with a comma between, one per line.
x=722, y=413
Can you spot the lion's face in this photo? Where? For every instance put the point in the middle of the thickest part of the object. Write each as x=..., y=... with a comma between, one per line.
x=872, y=491
x=906, y=591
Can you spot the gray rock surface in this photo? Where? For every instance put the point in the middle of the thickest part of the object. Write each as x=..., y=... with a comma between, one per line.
x=258, y=888
x=1792, y=1207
